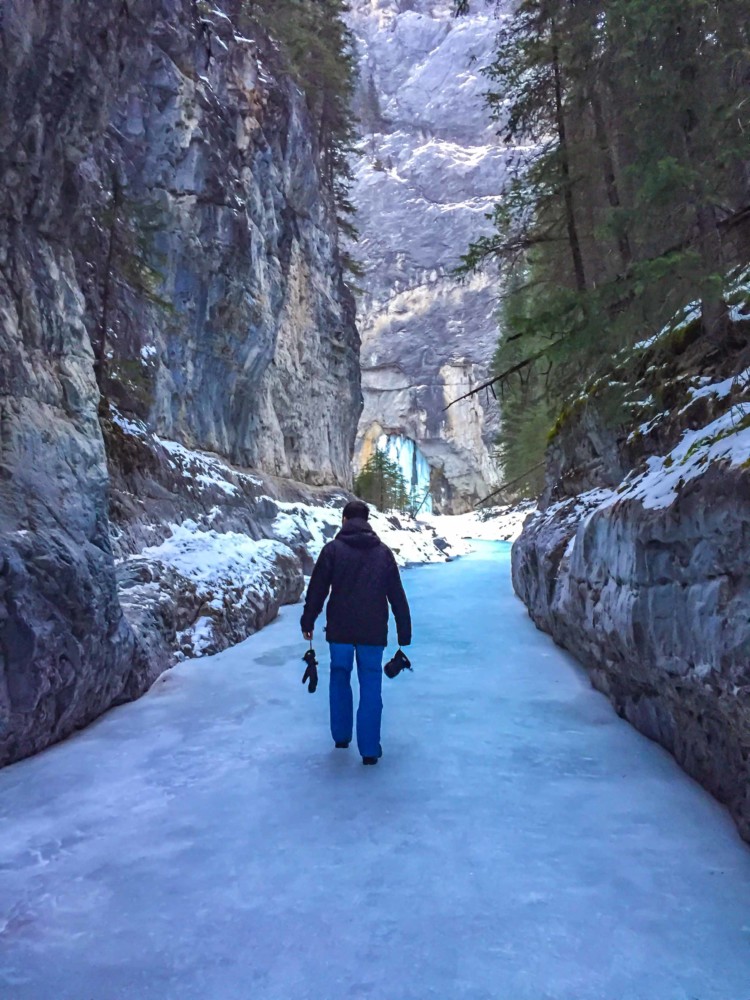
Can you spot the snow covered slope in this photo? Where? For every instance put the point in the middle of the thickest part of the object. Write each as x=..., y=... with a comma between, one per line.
x=224, y=548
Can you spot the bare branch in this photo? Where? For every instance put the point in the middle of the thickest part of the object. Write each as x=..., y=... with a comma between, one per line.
x=512, y=482
x=519, y=366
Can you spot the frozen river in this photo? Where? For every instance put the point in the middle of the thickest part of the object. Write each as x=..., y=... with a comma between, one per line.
x=516, y=842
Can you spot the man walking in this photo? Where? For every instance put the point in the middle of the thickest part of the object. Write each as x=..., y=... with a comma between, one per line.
x=361, y=573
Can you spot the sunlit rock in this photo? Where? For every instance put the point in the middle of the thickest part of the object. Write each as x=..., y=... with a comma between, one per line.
x=431, y=169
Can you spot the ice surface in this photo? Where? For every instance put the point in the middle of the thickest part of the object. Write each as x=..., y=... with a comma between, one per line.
x=518, y=841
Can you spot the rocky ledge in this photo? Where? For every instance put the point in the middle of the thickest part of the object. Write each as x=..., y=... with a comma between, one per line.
x=638, y=560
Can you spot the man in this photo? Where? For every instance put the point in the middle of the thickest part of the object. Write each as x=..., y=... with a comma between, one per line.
x=362, y=575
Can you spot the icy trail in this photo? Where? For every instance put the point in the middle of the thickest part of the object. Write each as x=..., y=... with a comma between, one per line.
x=517, y=841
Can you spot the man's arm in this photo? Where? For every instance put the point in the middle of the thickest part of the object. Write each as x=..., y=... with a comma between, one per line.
x=399, y=604
x=320, y=584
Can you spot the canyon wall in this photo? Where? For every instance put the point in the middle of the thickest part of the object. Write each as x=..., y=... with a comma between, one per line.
x=638, y=559
x=431, y=169
x=165, y=226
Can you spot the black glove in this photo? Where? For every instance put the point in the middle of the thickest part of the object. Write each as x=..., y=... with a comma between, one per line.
x=311, y=671
x=399, y=662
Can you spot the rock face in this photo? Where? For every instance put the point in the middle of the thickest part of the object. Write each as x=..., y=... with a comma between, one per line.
x=638, y=561
x=159, y=199
x=432, y=167
x=255, y=356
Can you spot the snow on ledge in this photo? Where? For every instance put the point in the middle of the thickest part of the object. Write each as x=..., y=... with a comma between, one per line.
x=726, y=439
x=214, y=560
x=228, y=570
x=412, y=540
x=492, y=524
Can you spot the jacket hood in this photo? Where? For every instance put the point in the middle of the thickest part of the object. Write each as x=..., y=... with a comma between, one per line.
x=358, y=533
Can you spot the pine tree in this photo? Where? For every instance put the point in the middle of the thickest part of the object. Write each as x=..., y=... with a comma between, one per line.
x=382, y=483
x=319, y=50
x=627, y=204
x=653, y=91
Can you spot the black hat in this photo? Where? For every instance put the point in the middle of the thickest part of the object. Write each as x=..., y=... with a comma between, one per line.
x=356, y=508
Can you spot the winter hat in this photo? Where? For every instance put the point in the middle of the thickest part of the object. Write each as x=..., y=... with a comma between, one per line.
x=356, y=508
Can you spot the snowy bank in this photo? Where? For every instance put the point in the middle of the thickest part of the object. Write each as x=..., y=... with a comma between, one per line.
x=222, y=549
x=230, y=585
x=490, y=524
x=413, y=541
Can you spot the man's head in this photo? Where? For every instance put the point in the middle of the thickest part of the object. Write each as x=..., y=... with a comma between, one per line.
x=356, y=508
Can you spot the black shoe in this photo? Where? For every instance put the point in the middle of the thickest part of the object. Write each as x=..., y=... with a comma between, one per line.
x=342, y=746
x=369, y=760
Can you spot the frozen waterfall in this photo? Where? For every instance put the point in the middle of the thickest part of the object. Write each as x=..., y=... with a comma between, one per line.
x=413, y=465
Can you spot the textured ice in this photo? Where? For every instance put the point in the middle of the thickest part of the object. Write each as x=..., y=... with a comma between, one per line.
x=413, y=465
x=518, y=841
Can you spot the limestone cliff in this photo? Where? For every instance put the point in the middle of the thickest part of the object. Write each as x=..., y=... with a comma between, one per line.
x=637, y=561
x=163, y=220
x=430, y=170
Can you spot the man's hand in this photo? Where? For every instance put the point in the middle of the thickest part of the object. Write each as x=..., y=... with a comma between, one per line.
x=307, y=635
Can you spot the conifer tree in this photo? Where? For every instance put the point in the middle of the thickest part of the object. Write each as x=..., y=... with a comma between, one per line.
x=382, y=483
x=626, y=204
x=318, y=48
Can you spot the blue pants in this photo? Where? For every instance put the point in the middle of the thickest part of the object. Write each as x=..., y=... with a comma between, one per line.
x=370, y=673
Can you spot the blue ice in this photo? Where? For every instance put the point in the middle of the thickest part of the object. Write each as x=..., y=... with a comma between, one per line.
x=413, y=465
x=518, y=841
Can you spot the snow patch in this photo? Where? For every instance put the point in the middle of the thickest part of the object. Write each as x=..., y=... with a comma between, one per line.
x=200, y=637
x=493, y=524
x=216, y=561
x=412, y=540
x=723, y=389
x=207, y=471
x=136, y=428
x=725, y=439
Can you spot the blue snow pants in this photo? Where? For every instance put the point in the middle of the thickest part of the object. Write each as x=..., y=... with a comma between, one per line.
x=370, y=673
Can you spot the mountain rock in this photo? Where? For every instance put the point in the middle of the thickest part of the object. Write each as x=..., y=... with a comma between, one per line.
x=163, y=224
x=431, y=169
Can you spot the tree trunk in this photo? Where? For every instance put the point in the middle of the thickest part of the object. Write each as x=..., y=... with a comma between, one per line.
x=714, y=310
x=562, y=135
x=608, y=169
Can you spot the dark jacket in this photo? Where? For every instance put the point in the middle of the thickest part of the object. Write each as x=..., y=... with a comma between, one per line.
x=362, y=575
